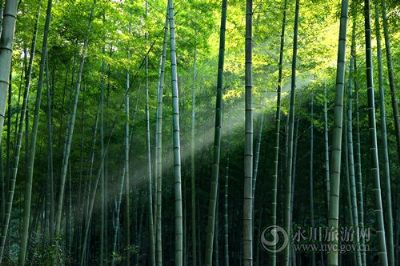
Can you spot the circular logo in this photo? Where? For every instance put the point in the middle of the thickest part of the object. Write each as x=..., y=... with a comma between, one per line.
x=274, y=239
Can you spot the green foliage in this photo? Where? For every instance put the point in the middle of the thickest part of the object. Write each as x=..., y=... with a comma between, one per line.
x=197, y=25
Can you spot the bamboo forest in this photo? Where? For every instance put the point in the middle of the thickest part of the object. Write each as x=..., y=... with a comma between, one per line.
x=200, y=132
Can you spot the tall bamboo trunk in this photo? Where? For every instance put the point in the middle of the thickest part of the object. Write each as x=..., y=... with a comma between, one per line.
x=289, y=172
x=312, y=172
x=360, y=196
x=277, y=128
x=6, y=47
x=102, y=154
x=176, y=143
x=9, y=129
x=248, y=146
x=350, y=148
x=127, y=175
x=149, y=171
x=382, y=251
x=326, y=142
x=217, y=141
x=393, y=96
x=50, y=152
x=384, y=141
x=79, y=212
x=149, y=159
x=159, y=169
x=333, y=220
x=193, y=160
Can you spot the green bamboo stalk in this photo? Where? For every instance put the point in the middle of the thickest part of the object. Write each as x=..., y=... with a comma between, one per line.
x=294, y=167
x=6, y=48
x=358, y=164
x=248, y=148
x=176, y=142
x=333, y=221
x=79, y=212
x=127, y=172
x=348, y=207
x=350, y=147
x=312, y=172
x=149, y=160
x=296, y=137
x=217, y=141
x=159, y=169
x=50, y=153
x=278, y=127
x=102, y=154
x=289, y=172
x=384, y=141
x=149, y=172
x=392, y=86
x=9, y=129
x=326, y=142
x=193, y=161
x=382, y=251
x=226, y=217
